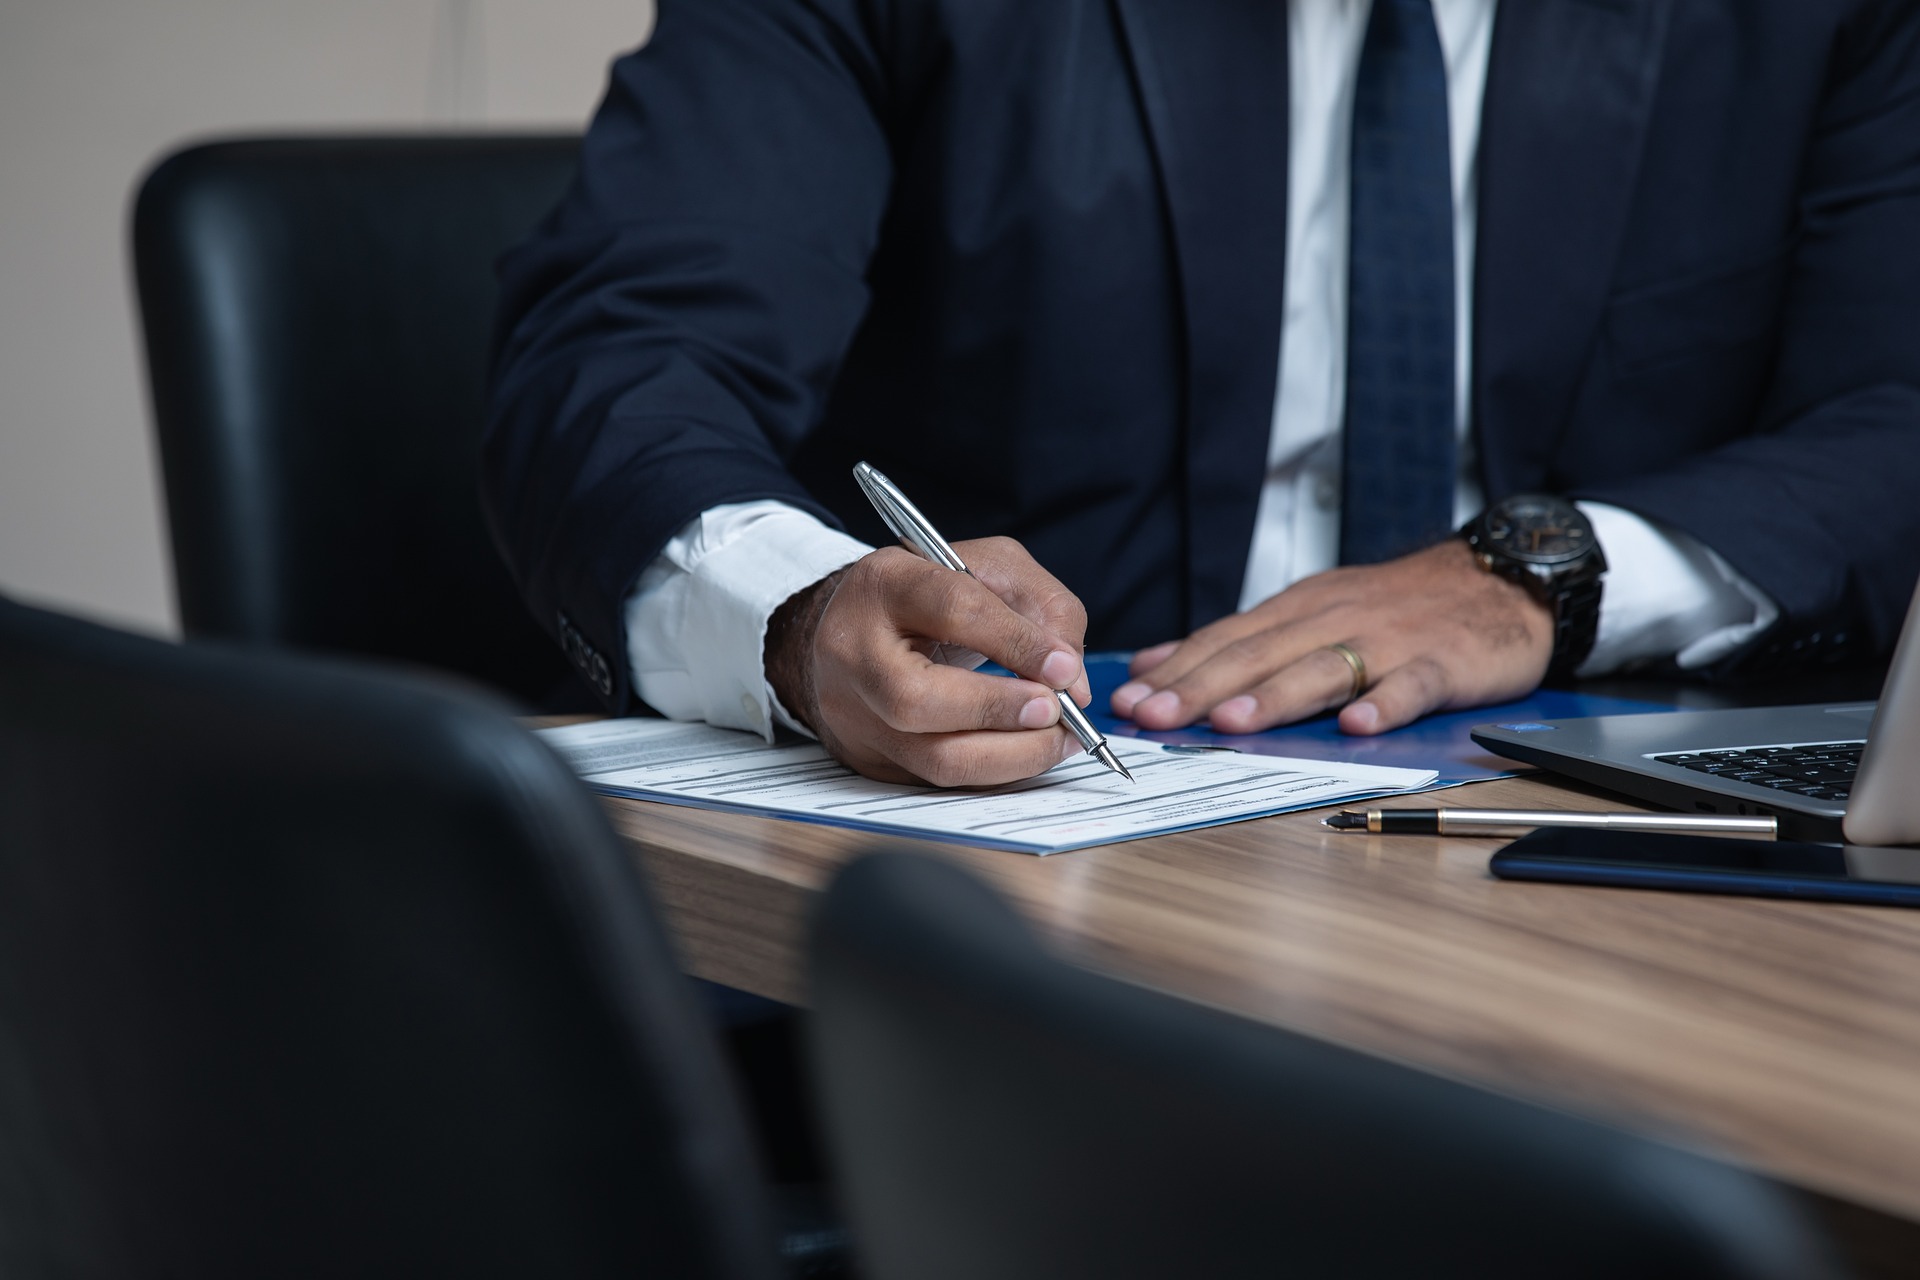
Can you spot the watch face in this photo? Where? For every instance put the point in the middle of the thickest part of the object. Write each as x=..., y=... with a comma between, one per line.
x=1538, y=530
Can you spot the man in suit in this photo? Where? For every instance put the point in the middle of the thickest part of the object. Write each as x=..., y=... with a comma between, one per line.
x=1152, y=288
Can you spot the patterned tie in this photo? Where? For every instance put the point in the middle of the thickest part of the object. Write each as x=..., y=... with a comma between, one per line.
x=1399, y=453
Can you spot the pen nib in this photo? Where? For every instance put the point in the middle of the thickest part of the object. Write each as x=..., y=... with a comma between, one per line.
x=1346, y=820
x=1104, y=754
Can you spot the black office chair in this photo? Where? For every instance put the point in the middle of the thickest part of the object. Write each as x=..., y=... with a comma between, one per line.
x=317, y=315
x=309, y=971
x=996, y=1112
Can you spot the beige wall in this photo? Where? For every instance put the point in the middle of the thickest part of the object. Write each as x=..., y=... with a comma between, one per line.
x=91, y=92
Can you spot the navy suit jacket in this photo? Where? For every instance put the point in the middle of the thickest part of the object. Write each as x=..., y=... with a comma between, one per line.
x=1026, y=256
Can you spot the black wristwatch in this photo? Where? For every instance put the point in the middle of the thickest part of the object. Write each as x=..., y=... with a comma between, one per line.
x=1546, y=545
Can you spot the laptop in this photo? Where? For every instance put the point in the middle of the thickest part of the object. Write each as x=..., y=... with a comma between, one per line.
x=1828, y=773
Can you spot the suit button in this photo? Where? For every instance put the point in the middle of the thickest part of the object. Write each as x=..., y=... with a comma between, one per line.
x=750, y=706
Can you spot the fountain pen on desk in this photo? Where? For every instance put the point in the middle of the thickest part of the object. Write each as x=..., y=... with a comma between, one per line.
x=1493, y=822
x=920, y=537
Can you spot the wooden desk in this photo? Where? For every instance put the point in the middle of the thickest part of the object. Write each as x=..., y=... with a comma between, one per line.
x=1786, y=1035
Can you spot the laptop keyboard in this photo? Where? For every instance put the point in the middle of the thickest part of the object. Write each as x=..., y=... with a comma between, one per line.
x=1820, y=771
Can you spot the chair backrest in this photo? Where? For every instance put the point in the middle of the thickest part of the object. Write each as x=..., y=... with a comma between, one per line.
x=317, y=315
x=993, y=1111
x=308, y=971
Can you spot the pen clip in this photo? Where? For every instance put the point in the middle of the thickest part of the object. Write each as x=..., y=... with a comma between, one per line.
x=908, y=525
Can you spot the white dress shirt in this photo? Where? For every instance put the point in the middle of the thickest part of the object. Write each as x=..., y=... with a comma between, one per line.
x=697, y=618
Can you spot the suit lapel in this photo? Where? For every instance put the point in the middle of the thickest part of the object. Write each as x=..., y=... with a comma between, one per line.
x=1570, y=89
x=1212, y=77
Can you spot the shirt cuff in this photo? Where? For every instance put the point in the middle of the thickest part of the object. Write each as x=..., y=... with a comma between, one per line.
x=697, y=617
x=1667, y=595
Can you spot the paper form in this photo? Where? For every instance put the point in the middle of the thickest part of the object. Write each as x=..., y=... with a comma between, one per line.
x=1072, y=805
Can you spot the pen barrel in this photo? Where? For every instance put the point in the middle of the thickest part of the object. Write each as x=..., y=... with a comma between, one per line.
x=1076, y=720
x=1493, y=822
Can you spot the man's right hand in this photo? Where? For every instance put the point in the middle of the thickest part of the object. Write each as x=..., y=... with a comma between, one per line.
x=857, y=657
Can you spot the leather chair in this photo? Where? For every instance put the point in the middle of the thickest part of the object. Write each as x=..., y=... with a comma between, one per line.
x=310, y=971
x=317, y=315
x=1103, y=1130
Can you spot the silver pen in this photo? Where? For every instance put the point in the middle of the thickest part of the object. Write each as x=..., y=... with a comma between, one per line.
x=921, y=538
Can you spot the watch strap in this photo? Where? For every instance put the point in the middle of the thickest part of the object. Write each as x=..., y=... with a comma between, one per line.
x=1576, y=625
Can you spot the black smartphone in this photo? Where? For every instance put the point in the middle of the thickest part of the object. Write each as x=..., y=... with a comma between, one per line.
x=1709, y=864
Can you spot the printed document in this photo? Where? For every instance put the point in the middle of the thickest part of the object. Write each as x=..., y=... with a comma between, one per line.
x=1075, y=804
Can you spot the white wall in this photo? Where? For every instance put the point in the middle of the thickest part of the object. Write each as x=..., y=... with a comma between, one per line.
x=91, y=93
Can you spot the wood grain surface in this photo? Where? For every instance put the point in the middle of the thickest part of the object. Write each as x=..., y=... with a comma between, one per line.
x=1783, y=1035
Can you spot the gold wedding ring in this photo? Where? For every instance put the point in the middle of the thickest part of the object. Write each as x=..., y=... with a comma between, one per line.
x=1357, y=664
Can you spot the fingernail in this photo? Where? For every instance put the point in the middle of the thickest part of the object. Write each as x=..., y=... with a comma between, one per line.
x=1059, y=670
x=1361, y=717
x=1039, y=713
x=1127, y=694
x=1242, y=707
x=1162, y=705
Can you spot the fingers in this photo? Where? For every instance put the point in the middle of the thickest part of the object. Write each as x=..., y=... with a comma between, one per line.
x=1248, y=678
x=1317, y=682
x=1147, y=659
x=1402, y=696
x=1323, y=680
x=1433, y=628
x=887, y=709
x=1128, y=696
x=1005, y=568
x=1313, y=602
x=911, y=697
x=965, y=610
x=908, y=733
x=1145, y=672
x=1168, y=664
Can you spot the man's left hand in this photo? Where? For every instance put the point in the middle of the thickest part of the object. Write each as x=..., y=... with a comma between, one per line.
x=1434, y=630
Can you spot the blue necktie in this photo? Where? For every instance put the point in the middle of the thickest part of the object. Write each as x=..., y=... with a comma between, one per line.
x=1399, y=453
